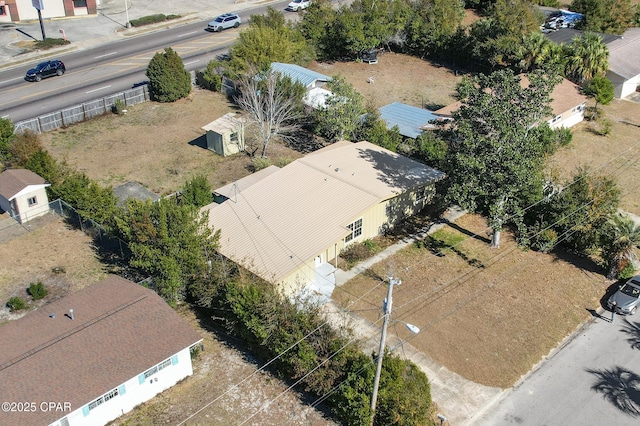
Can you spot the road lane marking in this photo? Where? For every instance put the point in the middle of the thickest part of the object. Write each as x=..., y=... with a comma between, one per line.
x=192, y=62
x=12, y=79
x=106, y=54
x=186, y=34
x=99, y=88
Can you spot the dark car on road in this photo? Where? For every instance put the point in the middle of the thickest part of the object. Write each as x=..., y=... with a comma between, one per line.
x=45, y=69
x=627, y=298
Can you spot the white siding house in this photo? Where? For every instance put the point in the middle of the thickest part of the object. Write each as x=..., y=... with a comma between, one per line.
x=96, y=353
x=23, y=194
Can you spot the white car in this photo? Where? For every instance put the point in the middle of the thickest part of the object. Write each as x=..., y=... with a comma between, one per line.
x=297, y=5
x=222, y=22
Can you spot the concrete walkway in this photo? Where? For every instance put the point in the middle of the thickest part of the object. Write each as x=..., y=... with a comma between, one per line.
x=458, y=399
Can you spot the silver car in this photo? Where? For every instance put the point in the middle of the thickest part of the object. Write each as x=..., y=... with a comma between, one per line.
x=626, y=299
x=222, y=22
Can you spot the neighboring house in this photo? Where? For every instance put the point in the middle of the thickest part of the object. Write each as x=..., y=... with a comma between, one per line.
x=624, y=63
x=411, y=121
x=313, y=81
x=624, y=60
x=95, y=354
x=290, y=225
x=25, y=10
x=567, y=104
x=225, y=136
x=23, y=194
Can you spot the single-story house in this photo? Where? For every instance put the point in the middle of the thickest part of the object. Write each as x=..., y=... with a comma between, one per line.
x=24, y=10
x=624, y=61
x=23, y=194
x=312, y=80
x=567, y=104
x=411, y=121
x=89, y=357
x=290, y=225
x=225, y=135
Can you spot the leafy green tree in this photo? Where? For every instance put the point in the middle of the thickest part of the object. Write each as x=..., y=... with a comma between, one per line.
x=538, y=52
x=197, y=192
x=431, y=149
x=315, y=26
x=269, y=38
x=374, y=129
x=90, y=199
x=213, y=75
x=45, y=166
x=168, y=78
x=587, y=57
x=605, y=16
x=431, y=24
x=274, y=106
x=341, y=116
x=494, y=161
x=601, y=89
x=622, y=236
x=405, y=395
x=22, y=147
x=168, y=241
x=6, y=137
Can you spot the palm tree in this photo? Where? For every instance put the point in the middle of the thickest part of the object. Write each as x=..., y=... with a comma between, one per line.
x=624, y=236
x=587, y=57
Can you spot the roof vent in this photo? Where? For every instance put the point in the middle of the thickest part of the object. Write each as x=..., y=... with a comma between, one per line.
x=52, y=315
x=71, y=314
x=337, y=169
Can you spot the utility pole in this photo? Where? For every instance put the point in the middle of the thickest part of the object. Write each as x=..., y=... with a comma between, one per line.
x=387, y=315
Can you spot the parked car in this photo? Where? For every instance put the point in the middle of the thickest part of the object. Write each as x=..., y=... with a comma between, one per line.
x=626, y=298
x=222, y=22
x=297, y=5
x=45, y=69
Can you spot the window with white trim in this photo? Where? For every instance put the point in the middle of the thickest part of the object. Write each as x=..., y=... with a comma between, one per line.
x=104, y=398
x=556, y=119
x=32, y=201
x=356, y=230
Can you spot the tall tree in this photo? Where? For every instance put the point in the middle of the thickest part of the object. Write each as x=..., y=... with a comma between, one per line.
x=587, y=57
x=168, y=78
x=537, y=51
x=168, y=241
x=273, y=104
x=341, y=116
x=269, y=38
x=605, y=16
x=623, y=235
x=432, y=24
x=6, y=136
x=494, y=159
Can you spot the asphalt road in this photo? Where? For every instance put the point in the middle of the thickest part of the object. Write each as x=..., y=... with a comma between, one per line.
x=593, y=380
x=111, y=68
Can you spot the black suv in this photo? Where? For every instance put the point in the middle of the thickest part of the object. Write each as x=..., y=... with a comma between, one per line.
x=45, y=69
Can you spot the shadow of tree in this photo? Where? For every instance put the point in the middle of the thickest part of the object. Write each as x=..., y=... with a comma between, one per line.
x=632, y=330
x=620, y=387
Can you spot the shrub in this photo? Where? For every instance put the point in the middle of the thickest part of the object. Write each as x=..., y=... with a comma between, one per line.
x=50, y=43
x=260, y=163
x=356, y=252
x=152, y=19
x=168, y=79
x=16, y=304
x=118, y=107
x=37, y=290
x=627, y=272
x=605, y=127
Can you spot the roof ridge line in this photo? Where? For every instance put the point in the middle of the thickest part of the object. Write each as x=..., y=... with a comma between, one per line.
x=69, y=333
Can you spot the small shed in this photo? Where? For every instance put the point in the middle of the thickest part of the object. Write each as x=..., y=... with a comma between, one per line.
x=225, y=136
x=23, y=194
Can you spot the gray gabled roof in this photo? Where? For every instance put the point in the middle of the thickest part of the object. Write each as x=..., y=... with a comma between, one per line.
x=565, y=35
x=624, y=54
x=299, y=74
x=409, y=119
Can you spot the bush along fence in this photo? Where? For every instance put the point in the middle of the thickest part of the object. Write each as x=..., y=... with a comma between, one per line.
x=83, y=112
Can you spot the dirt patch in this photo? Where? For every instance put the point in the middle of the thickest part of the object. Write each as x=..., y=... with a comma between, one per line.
x=486, y=314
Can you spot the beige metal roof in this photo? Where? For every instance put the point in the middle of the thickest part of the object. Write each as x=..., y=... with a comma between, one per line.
x=224, y=124
x=232, y=189
x=275, y=225
x=15, y=180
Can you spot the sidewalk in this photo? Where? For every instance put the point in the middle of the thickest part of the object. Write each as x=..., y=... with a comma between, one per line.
x=108, y=25
x=458, y=399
